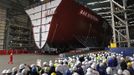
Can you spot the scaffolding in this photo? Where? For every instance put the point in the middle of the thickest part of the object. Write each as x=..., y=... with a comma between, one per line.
x=2, y=26
x=18, y=34
x=120, y=15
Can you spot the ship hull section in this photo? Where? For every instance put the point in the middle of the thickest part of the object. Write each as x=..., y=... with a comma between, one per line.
x=75, y=26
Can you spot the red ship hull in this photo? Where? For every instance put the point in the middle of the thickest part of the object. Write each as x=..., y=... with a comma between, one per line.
x=76, y=26
x=73, y=22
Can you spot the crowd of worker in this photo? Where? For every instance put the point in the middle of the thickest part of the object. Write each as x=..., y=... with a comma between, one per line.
x=99, y=63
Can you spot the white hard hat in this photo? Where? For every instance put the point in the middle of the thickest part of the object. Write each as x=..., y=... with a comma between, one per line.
x=32, y=65
x=88, y=73
x=21, y=66
x=74, y=68
x=56, y=61
x=101, y=64
x=78, y=63
x=60, y=61
x=75, y=73
x=8, y=71
x=24, y=71
x=44, y=74
x=19, y=74
x=73, y=56
x=65, y=60
x=4, y=71
x=109, y=70
x=45, y=63
x=126, y=72
x=89, y=70
x=14, y=69
x=90, y=62
x=104, y=61
x=131, y=58
x=121, y=58
x=50, y=61
x=86, y=60
x=93, y=66
x=83, y=66
x=51, y=64
x=119, y=71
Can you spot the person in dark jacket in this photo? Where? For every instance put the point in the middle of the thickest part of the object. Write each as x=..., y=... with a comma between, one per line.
x=79, y=69
x=34, y=71
x=101, y=68
x=68, y=72
x=81, y=58
x=123, y=64
x=110, y=62
x=52, y=69
x=130, y=69
x=115, y=61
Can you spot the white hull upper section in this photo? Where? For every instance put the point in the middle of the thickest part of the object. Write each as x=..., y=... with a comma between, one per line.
x=41, y=17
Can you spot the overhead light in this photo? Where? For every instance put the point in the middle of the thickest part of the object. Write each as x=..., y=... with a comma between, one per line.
x=41, y=0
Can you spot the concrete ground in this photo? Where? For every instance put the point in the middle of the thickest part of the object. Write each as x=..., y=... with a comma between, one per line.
x=23, y=58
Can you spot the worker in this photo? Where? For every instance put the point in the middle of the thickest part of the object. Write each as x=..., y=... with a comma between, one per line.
x=10, y=58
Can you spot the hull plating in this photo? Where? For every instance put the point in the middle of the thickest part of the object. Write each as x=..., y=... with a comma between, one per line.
x=70, y=25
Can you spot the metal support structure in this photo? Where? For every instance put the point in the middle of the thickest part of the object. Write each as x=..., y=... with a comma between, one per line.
x=120, y=16
x=126, y=22
x=113, y=22
x=120, y=24
x=40, y=27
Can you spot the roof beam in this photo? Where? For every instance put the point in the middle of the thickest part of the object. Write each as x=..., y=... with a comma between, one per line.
x=130, y=6
x=99, y=2
x=106, y=17
x=102, y=8
x=131, y=22
x=104, y=13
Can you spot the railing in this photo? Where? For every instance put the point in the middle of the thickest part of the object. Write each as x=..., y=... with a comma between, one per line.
x=7, y=52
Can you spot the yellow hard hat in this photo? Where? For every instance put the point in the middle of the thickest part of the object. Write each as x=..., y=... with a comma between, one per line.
x=53, y=73
x=129, y=64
